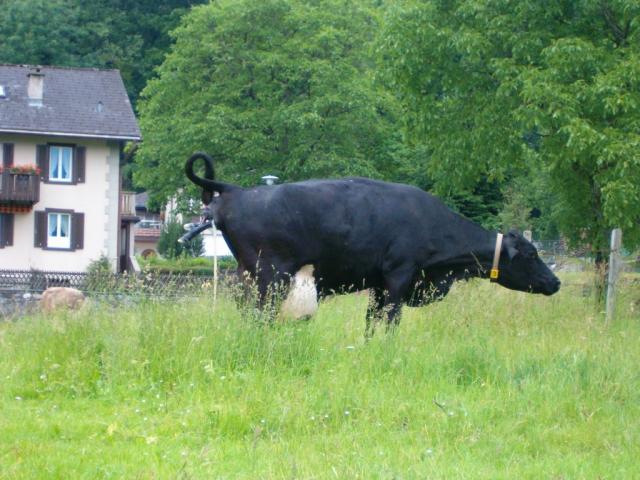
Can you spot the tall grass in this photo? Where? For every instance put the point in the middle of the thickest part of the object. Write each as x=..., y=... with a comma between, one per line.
x=485, y=384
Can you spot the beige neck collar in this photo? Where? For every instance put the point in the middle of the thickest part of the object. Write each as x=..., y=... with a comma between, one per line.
x=493, y=276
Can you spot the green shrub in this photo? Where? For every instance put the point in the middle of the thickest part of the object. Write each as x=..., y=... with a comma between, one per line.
x=183, y=264
x=169, y=247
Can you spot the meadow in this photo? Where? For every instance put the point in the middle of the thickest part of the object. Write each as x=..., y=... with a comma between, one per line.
x=488, y=383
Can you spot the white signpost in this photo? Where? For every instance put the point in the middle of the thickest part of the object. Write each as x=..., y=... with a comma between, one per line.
x=614, y=272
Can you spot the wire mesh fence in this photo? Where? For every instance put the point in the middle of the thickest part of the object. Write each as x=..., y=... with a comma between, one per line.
x=106, y=283
x=560, y=257
x=575, y=265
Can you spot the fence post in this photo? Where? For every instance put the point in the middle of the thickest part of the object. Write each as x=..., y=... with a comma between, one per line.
x=528, y=235
x=614, y=271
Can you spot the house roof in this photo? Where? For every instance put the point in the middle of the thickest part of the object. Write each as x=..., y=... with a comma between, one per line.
x=77, y=102
x=141, y=200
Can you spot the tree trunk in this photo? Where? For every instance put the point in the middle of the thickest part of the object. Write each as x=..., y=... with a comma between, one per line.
x=600, y=246
x=600, y=277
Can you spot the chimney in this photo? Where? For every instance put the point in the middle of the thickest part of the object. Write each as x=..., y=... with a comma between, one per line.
x=35, y=88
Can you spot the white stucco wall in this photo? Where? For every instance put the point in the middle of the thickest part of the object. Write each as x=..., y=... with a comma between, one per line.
x=97, y=198
x=141, y=246
x=111, y=197
x=217, y=246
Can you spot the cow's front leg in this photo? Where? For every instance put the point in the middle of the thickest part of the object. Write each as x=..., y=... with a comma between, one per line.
x=374, y=311
x=394, y=313
x=397, y=283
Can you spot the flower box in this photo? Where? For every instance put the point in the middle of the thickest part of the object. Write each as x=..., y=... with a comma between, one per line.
x=21, y=169
x=19, y=186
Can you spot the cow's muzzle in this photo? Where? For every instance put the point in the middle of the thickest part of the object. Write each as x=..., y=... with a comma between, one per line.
x=552, y=286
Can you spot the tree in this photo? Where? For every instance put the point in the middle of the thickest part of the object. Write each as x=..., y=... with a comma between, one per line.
x=495, y=87
x=169, y=247
x=129, y=35
x=27, y=36
x=530, y=205
x=281, y=87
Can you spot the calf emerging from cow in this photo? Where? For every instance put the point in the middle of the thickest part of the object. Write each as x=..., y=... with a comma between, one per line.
x=398, y=241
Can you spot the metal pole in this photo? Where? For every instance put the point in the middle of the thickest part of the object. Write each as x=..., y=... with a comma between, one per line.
x=614, y=270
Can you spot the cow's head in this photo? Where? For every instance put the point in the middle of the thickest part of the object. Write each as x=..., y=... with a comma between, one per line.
x=522, y=269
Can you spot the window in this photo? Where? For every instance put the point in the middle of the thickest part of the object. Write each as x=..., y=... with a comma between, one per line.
x=60, y=163
x=59, y=230
x=6, y=230
x=6, y=155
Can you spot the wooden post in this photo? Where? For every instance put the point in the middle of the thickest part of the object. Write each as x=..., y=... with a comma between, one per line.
x=527, y=234
x=614, y=271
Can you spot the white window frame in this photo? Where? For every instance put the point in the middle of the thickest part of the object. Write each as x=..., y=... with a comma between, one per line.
x=59, y=241
x=53, y=149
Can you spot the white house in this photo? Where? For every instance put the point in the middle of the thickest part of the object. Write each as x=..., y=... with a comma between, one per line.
x=215, y=245
x=62, y=135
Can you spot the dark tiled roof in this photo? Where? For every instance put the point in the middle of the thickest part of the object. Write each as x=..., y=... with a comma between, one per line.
x=141, y=200
x=147, y=233
x=76, y=102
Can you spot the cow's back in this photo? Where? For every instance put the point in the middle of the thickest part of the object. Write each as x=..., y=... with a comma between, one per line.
x=347, y=228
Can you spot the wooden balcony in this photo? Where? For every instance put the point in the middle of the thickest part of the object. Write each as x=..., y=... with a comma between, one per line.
x=128, y=207
x=18, y=191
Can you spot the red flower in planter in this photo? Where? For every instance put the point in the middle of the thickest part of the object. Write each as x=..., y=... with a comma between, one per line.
x=21, y=169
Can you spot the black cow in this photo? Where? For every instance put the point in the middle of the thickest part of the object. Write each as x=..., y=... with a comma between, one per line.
x=400, y=242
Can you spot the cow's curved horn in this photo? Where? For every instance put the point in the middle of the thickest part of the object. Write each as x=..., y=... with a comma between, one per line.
x=207, y=182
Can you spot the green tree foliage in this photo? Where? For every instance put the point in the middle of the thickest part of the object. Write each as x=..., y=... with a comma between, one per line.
x=169, y=247
x=130, y=35
x=281, y=87
x=529, y=205
x=41, y=32
x=195, y=247
x=481, y=203
x=495, y=87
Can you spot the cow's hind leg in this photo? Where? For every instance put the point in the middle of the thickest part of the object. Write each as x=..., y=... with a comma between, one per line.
x=272, y=283
x=375, y=311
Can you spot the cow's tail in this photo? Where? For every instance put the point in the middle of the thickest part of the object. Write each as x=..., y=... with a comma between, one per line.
x=208, y=182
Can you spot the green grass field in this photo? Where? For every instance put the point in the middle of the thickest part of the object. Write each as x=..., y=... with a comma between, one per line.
x=486, y=384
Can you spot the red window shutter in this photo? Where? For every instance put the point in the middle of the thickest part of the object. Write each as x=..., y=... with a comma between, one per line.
x=7, y=154
x=40, y=230
x=77, y=231
x=79, y=162
x=42, y=160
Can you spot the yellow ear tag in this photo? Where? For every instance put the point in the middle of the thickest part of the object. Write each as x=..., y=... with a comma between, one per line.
x=494, y=274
